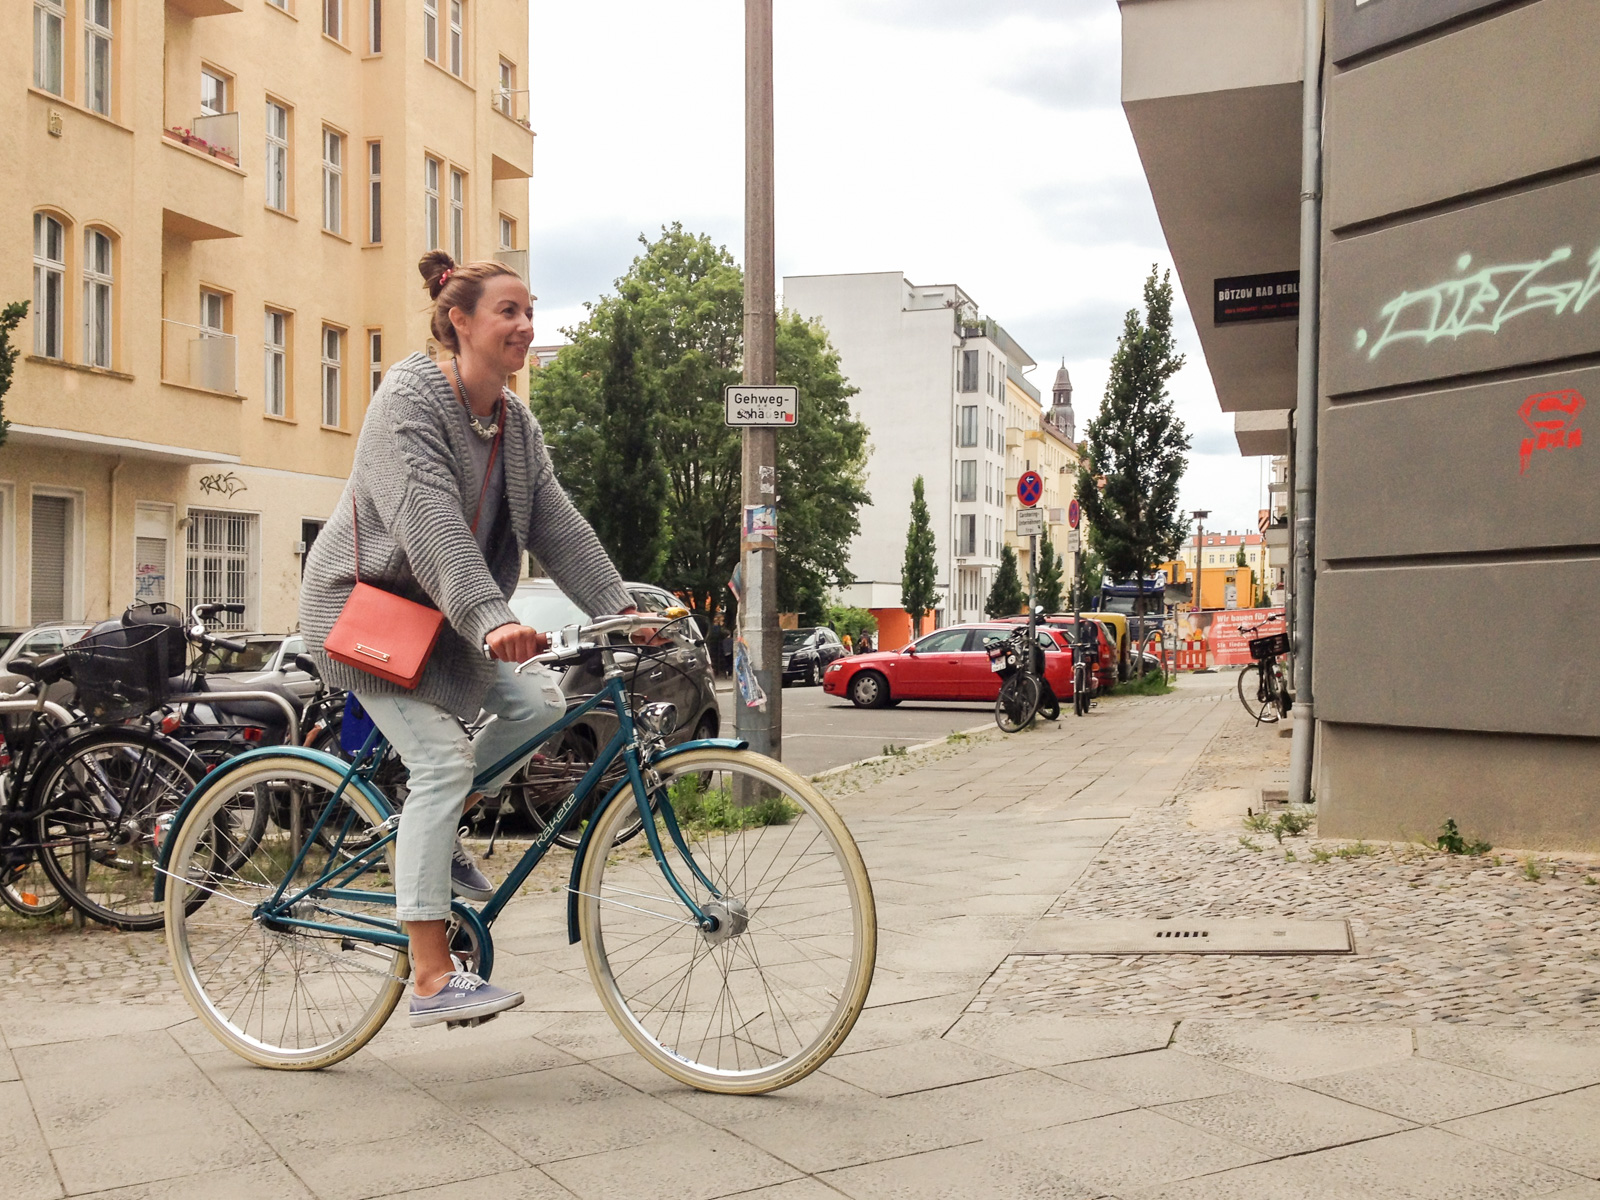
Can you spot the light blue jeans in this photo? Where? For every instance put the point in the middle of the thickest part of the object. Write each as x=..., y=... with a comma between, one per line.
x=443, y=760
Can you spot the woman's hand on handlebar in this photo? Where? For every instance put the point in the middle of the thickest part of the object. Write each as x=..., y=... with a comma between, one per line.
x=515, y=643
x=645, y=635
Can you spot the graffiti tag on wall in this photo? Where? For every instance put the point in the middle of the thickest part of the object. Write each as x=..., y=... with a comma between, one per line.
x=1484, y=301
x=224, y=485
x=1549, y=416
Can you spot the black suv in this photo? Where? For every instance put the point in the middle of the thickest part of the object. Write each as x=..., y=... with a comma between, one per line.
x=807, y=653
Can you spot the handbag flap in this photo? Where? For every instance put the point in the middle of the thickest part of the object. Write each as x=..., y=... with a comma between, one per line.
x=384, y=634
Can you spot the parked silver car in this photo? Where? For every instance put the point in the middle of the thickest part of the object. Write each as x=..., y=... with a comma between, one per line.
x=36, y=642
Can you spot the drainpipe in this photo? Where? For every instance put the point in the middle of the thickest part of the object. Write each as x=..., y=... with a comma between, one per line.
x=1302, y=747
x=111, y=541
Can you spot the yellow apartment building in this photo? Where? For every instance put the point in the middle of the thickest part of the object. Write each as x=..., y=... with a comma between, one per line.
x=1041, y=439
x=216, y=211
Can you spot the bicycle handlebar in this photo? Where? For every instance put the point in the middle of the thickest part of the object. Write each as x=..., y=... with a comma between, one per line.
x=597, y=629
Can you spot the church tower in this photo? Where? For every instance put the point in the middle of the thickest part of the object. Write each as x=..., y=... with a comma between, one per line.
x=1061, y=403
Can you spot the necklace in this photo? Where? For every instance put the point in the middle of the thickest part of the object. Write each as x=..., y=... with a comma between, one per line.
x=486, y=432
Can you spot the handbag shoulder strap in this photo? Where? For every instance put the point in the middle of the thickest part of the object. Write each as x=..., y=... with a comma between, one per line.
x=488, y=473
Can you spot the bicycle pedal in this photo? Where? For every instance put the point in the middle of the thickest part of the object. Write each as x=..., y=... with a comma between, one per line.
x=470, y=1022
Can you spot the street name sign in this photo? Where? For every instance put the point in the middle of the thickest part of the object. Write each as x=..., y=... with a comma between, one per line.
x=1074, y=541
x=1030, y=522
x=749, y=405
x=1030, y=488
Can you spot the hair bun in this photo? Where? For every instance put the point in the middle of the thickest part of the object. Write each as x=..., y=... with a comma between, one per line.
x=433, y=265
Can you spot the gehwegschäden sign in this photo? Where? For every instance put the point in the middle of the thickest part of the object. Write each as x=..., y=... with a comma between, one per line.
x=751, y=405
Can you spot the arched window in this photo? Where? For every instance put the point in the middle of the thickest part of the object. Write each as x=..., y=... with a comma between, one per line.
x=97, y=310
x=49, y=286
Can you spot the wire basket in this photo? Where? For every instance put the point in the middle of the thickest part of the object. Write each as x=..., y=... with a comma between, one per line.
x=120, y=673
x=1272, y=646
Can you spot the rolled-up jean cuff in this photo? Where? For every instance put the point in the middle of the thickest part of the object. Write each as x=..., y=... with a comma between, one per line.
x=419, y=914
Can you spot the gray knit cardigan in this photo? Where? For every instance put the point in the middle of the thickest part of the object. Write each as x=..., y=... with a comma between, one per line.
x=414, y=488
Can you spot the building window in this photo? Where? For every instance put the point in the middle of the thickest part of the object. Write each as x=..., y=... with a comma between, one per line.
x=967, y=426
x=967, y=481
x=332, y=181
x=374, y=192
x=213, y=313
x=430, y=202
x=280, y=4
x=967, y=534
x=969, y=371
x=456, y=7
x=213, y=94
x=374, y=361
x=332, y=384
x=505, y=97
x=333, y=19
x=97, y=56
x=221, y=564
x=49, y=286
x=458, y=201
x=277, y=156
x=508, y=233
x=275, y=367
x=49, y=42
x=374, y=26
x=50, y=582
x=310, y=530
x=430, y=30
x=96, y=298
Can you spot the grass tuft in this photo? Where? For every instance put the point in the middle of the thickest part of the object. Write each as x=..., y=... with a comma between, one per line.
x=701, y=811
x=1451, y=841
x=1150, y=685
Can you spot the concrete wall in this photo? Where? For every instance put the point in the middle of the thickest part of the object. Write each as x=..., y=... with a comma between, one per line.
x=1459, y=506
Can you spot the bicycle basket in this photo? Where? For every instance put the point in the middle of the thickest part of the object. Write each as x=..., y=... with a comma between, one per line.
x=1271, y=646
x=120, y=673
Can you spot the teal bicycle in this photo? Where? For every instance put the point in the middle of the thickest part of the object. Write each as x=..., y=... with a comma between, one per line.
x=734, y=953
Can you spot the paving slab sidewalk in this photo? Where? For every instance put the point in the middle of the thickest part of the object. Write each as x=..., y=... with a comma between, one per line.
x=949, y=1086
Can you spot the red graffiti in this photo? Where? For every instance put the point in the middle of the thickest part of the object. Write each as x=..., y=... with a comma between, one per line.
x=1550, y=415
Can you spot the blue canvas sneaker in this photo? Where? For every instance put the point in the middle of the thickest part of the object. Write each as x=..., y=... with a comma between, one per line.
x=464, y=997
x=466, y=879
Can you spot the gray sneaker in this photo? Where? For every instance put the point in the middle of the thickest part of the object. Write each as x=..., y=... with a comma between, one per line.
x=465, y=877
x=464, y=997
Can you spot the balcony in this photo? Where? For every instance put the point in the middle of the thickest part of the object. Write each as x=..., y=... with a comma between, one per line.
x=202, y=193
x=517, y=260
x=195, y=357
x=204, y=8
x=511, y=139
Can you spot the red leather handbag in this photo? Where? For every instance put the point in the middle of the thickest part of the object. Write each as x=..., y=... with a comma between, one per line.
x=384, y=634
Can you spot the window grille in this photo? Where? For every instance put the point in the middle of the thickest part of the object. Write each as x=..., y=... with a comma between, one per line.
x=221, y=564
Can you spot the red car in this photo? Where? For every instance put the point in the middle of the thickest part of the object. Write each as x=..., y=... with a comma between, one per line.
x=1105, y=671
x=947, y=664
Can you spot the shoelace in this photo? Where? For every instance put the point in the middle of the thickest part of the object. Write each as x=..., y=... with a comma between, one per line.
x=462, y=856
x=464, y=981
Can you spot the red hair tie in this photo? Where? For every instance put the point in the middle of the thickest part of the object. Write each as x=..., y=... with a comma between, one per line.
x=444, y=276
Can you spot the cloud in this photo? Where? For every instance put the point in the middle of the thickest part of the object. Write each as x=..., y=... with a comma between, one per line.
x=971, y=14
x=1100, y=213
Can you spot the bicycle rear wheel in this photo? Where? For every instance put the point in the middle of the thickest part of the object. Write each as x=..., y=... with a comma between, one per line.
x=102, y=800
x=1081, y=688
x=762, y=1000
x=1018, y=701
x=1257, y=695
x=281, y=995
x=24, y=887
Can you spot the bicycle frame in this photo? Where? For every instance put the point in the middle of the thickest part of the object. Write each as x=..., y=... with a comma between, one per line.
x=331, y=884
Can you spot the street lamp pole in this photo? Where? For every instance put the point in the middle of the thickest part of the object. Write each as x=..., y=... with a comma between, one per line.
x=1200, y=515
x=758, y=614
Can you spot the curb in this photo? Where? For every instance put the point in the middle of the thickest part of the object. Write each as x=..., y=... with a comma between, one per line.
x=879, y=758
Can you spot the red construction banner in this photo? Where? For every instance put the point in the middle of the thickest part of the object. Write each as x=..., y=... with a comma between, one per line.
x=1229, y=645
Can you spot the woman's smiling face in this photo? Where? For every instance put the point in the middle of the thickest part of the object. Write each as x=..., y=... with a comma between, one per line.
x=501, y=330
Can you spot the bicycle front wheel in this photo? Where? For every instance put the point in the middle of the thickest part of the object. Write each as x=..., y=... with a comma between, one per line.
x=763, y=999
x=1257, y=695
x=1018, y=701
x=102, y=801
x=292, y=986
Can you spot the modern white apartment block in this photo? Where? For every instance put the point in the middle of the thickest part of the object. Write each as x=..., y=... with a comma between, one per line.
x=932, y=378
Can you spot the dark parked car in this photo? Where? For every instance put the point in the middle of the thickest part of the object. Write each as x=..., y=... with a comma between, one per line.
x=808, y=652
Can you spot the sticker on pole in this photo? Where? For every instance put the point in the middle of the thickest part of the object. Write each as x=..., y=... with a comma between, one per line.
x=1030, y=488
x=1030, y=522
x=761, y=407
x=1074, y=514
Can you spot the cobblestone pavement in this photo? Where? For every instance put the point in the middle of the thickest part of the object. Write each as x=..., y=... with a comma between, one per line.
x=1468, y=940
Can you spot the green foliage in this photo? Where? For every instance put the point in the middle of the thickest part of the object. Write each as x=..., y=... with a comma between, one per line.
x=1092, y=574
x=892, y=751
x=1151, y=684
x=1006, y=597
x=852, y=621
x=919, y=573
x=1137, y=442
x=1355, y=850
x=1531, y=871
x=683, y=296
x=1048, y=583
x=1451, y=841
x=1258, y=822
x=701, y=811
x=1250, y=844
x=1242, y=559
x=1289, y=823
x=955, y=739
x=10, y=317
x=628, y=519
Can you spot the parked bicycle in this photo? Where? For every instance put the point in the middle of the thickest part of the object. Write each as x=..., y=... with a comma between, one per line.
x=1025, y=692
x=1085, y=657
x=735, y=961
x=1264, y=682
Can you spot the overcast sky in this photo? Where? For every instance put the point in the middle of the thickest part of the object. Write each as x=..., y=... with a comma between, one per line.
x=976, y=142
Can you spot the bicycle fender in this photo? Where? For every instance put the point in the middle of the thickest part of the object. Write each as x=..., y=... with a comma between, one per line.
x=243, y=760
x=703, y=744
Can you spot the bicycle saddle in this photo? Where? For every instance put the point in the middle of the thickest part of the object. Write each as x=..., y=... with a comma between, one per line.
x=258, y=712
x=49, y=669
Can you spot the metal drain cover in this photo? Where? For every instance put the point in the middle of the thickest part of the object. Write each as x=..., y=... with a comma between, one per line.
x=1254, y=935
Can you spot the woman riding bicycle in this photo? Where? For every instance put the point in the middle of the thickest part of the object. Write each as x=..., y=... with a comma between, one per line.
x=451, y=487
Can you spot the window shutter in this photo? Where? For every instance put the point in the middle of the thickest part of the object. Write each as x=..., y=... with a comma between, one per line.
x=49, y=577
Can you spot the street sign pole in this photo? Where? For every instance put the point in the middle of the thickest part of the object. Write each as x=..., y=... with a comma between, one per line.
x=761, y=726
x=1033, y=571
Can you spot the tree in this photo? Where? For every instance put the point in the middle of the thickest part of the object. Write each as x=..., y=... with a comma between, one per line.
x=1139, y=445
x=1243, y=560
x=1047, y=584
x=1006, y=597
x=627, y=516
x=919, y=577
x=10, y=317
x=684, y=297
x=1092, y=574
